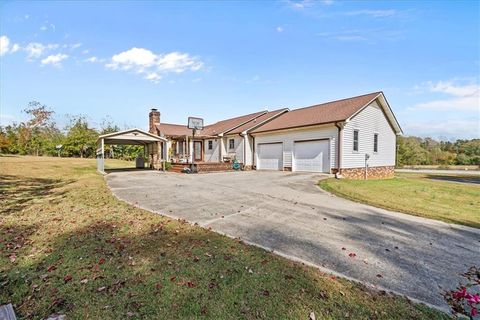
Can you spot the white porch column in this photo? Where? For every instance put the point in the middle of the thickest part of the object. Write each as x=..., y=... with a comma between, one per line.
x=103, y=154
x=185, y=147
x=221, y=148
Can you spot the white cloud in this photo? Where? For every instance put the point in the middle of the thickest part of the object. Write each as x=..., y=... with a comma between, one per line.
x=75, y=46
x=449, y=87
x=345, y=35
x=451, y=128
x=372, y=13
x=36, y=49
x=152, y=66
x=15, y=48
x=86, y=51
x=94, y=59
x=54, y=59
x=5, y=46
x=464, y=97
x=279, y=29
x=6, y=119
x=47, y=25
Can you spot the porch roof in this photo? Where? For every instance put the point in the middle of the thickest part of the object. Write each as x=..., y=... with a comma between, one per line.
x=130, y=137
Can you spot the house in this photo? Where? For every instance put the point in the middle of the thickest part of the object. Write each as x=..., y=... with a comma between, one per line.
x=353, y=138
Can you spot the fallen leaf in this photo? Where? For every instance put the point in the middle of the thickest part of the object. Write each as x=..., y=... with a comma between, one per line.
x=266, y=293
x=101, y=261
x=343, y=248
x=312, y=316
x=379, y=276
x=83, y=281
x=67, y=278
x=352, y=255
x=13, y=257
x=101, y=289
x=51, y=268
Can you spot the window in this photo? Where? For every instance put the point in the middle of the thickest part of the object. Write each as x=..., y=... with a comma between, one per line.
x=210, y=144
x=375, y=142
x=231, y=144
x=355, y=140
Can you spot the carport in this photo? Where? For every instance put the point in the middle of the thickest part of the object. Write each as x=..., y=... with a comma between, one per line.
x=154, y=147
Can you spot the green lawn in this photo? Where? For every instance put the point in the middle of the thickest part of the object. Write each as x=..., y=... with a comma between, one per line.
x=434, y=196
x=68, y=246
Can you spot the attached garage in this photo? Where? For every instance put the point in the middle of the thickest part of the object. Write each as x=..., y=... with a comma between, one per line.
x=311, y=156
x=270, y=156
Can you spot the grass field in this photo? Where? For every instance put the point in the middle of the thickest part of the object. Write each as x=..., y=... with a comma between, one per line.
x=68, y=246
x=436, y=196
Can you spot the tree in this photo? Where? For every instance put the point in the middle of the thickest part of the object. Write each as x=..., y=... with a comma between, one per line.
x=80, y=139
x=33, y=134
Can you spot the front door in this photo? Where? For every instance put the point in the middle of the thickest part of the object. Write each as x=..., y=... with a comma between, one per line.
x=197, y=150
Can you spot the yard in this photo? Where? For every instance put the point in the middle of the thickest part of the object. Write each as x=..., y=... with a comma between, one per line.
x=68, y=246
x=446, y=197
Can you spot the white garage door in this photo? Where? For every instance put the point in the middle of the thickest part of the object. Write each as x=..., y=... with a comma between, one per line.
x=270, y=156
x=311, y=156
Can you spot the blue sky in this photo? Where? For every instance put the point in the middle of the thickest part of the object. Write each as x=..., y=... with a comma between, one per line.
x=222, y=59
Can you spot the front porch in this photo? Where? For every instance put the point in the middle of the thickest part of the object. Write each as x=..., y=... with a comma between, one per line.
x=203, y=167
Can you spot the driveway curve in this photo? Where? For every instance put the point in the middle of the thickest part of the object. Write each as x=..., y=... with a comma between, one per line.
x=289, y=214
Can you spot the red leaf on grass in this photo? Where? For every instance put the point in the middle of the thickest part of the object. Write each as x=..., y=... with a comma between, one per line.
x=51, y=268
x=190, y=284
x=67, y=278
x=101, y=261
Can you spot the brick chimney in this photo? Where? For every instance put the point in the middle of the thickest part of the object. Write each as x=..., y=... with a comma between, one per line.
x=154, y=120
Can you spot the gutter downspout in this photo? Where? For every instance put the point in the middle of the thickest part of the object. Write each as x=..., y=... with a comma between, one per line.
x=339, y=148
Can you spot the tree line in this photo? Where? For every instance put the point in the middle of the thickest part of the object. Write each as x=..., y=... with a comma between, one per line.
x=427, y=151
x=41, y=136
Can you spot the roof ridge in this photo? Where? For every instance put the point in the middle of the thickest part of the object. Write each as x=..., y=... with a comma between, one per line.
x=173, y=124
x=338, y=100
x=248, y=114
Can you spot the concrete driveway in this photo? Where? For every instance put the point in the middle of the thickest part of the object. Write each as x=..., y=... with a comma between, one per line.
x=288, y=213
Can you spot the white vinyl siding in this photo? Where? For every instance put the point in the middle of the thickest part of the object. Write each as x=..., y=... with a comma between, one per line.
x=288, y=137
x=212, y=155
x=237, y=151
x=369, y=121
